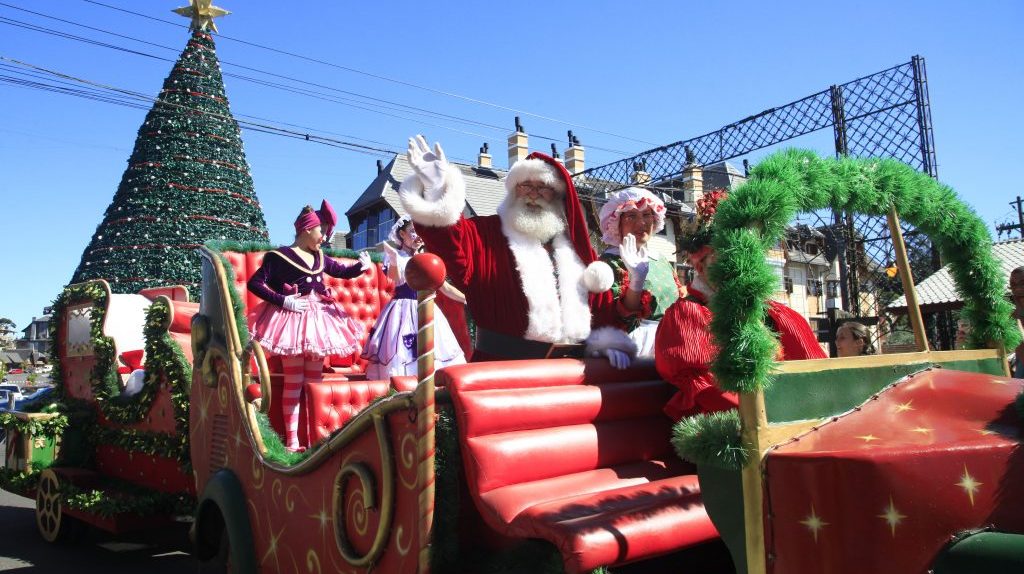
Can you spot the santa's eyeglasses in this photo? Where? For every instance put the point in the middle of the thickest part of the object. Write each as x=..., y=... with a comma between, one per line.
x=541, y=189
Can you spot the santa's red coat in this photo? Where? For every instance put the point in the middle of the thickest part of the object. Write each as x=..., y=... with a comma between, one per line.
x=480, y=263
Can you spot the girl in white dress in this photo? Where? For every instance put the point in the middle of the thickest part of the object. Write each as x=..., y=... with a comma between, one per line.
x=391, y=347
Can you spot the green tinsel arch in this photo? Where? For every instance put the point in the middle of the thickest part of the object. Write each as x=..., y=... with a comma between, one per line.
x=754, y=218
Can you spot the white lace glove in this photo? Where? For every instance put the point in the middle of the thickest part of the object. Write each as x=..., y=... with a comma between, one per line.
x=295, y=303
x=429, y=166
x=364, y=260
x=390, y=253
x=635, y=261
x=617, y=358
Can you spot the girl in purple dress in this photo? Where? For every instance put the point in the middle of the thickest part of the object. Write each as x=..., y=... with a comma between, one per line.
x=299, y=319
x=391, y=348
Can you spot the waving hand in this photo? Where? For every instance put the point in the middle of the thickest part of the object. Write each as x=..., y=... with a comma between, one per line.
x=429, y=166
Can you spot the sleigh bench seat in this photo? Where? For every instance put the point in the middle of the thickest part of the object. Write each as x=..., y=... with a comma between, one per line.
x=578, y=454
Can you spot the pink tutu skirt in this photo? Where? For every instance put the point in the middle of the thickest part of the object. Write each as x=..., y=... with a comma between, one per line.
x=321, y=330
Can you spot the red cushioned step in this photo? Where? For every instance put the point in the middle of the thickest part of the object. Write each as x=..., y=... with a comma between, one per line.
x=621, y=525
x=508, y=502
x=329, y=405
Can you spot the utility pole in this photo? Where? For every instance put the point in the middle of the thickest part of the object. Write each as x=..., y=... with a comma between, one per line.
x=1008, y=227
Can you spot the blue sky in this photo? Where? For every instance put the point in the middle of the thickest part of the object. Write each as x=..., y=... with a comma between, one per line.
x=645, y=75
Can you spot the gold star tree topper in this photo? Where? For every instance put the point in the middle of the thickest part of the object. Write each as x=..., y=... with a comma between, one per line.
x=202, y=13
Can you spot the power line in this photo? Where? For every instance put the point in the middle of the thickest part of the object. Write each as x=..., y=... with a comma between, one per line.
x=382, y=103
x=250, y=125
x=384, y=78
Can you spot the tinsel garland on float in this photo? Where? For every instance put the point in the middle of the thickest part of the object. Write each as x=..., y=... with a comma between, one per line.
x=164, y=361
x=187, y=181
x=754, y=218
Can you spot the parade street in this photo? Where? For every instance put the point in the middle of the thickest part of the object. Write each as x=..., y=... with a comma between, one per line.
x=23, y=550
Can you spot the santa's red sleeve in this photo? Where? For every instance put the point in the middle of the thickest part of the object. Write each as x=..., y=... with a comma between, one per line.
x=456, y=245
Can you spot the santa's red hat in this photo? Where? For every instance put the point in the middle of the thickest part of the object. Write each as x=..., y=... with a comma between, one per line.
x=549, y=171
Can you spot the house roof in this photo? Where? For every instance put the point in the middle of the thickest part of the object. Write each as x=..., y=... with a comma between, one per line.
x=721, y=175
x=939, y=288
x=797, y=256
x=484, y=187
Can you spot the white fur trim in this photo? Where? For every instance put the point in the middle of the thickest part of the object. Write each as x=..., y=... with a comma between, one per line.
x=534, y=169
x=434, y=208
x=604, y=338
x=559, y=312
x=598, y=277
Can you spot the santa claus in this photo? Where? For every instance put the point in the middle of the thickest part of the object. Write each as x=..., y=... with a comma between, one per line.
x=530, y=274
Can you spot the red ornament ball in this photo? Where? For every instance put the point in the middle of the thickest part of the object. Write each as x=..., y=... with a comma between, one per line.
x=425, y=272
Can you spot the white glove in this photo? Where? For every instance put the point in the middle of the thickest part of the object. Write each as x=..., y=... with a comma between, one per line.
x=364, y=260
x=635, y=261
x=390, y=253
x=429, y=166
x=618, y=359
x=295, y=303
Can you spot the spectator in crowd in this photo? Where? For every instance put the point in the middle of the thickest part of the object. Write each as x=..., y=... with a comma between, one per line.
x=853, y=339
x=1017, y=296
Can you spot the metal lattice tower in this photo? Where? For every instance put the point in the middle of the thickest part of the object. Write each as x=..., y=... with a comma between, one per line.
x=885, y=114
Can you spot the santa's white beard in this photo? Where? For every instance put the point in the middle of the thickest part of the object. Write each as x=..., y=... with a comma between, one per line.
x=541, y=223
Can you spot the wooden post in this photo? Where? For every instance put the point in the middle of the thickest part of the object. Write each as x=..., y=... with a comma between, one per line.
x=753, y=422
x=907, y=278
x=425, y=422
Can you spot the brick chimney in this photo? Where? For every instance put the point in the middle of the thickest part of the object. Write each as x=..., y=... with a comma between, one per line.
x=554, y=153
x=693, y=179
x=640, y=175
x=518, y=147
x=574, y=155
x=484, y=159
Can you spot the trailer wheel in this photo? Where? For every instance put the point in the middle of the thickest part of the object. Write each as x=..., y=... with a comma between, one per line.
x=54, y=525
x=219, y=563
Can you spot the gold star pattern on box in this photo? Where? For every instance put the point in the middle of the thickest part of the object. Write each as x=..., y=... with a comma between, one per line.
x=969, y=484
x=892, y=516
x=202, y=13
x=814, y=523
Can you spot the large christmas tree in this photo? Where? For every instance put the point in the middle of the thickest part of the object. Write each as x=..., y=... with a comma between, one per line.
x=187, y=180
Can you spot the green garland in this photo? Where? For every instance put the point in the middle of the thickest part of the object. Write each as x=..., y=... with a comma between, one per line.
x=444, y=544
x=163, y=357
x=754, y=217
x=163, y=444
x=103, y=376
x=711, y=439
x=48, y=428
x=753, y=220
x=251, y=246
x=126, y=498
x=19, y=481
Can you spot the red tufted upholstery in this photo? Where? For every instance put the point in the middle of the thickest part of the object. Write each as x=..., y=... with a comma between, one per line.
x=578, y=454
x=343, y=392
x=329, y=406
